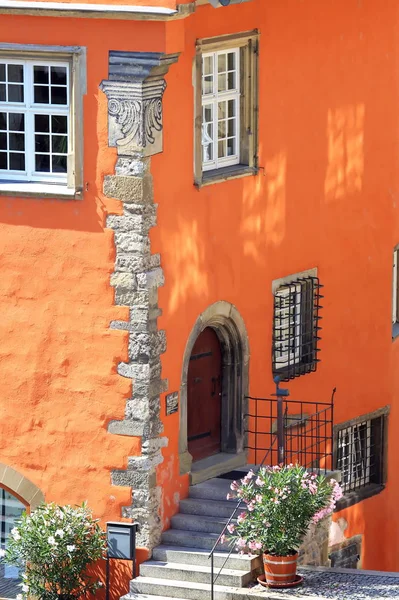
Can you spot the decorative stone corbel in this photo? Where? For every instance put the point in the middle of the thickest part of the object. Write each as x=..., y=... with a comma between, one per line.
x=134, y=90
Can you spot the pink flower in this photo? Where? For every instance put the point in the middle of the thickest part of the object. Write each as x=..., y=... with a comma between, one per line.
x=251, y=507
x=258, y=545
x=241, y=517
x=223, y=539
x=241, y=543
x=231, y=528
x=229, y=496
x=234, y=485
x=259, y=482
x=258, y=498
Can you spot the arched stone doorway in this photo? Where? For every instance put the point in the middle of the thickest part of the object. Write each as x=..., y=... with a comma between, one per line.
x=229, y=329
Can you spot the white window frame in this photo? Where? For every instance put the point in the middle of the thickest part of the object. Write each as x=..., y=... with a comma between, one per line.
x=244, y=162
x=293, y=318
x=53, y=185
x=213, y=99
x=395, y=312
x=349, y=467
x=29, y=108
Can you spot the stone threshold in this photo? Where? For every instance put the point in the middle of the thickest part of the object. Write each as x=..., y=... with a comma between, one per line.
x=216, y=465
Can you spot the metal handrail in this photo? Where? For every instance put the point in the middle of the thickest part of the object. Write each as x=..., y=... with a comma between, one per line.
x=212, y=552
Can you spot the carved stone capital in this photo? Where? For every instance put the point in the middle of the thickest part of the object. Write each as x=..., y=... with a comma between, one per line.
x=134, y=90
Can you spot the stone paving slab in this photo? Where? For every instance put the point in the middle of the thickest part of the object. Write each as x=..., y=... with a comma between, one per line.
x=335, y=584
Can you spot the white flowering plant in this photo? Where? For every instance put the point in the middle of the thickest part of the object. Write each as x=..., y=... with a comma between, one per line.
x=53, y=547
x=281, y=503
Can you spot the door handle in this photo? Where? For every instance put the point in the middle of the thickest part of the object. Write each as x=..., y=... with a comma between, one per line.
x=215, y=381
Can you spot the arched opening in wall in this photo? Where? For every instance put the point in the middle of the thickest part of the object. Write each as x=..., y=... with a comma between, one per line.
x=213, y=394
x=11, y=509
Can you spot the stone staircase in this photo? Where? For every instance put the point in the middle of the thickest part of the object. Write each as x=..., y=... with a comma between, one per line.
x=180, y=567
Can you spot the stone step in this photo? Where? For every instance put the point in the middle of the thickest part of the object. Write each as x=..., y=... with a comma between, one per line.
x=196, y=539
x=196, y=556
x=212, y=508
x=139, y=596
x=198, y=523
x=193, y=573
x=167, y=588
x=213, y=489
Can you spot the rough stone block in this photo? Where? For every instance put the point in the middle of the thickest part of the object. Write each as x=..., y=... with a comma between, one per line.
x=127, y=427
x=132, y=262
x=128, y=166
x=127, y=241
x=137, y=190
x=151, y=279
x=124, y=281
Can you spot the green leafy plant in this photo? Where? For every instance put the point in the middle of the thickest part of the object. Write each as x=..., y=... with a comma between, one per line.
x=53, y=548
x=281, y=502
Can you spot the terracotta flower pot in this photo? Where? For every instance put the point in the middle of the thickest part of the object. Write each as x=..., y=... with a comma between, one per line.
x=280, y=569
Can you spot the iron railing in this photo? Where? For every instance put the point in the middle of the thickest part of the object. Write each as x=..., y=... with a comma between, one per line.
x=284, y=431
x=305, y=431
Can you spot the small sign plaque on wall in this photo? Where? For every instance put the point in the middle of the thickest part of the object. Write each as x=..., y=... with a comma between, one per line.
x=172, y=403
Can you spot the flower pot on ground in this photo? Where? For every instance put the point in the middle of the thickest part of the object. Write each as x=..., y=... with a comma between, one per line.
x=281, y=504
x=53, y=547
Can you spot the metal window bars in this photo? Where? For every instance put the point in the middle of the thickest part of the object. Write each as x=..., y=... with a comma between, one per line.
x=359, y=453
x=296, y=327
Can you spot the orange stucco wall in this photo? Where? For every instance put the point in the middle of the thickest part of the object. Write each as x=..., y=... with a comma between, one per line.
x=326, y=196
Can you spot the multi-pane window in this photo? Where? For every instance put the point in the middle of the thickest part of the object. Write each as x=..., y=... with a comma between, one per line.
x=296, y=327
x=226, y=107
x=395, y=295
x=34, y=120
x=360, y=451
x=287, y=325
x=220, y=109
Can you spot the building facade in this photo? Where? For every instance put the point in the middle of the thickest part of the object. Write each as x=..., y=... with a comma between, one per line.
x=177, y=181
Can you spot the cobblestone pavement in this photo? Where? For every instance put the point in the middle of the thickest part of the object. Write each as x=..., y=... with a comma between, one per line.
x=336, y=585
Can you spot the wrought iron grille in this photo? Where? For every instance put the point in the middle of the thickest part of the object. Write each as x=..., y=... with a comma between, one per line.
x=360, y=453
x=296, y=328
x=307, y=432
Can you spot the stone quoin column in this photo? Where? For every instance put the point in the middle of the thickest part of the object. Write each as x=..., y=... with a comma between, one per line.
x=134, y=90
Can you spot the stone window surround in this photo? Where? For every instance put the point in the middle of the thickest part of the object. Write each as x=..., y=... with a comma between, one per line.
x=372, y=489
x=76, y=57
x=20, y=486
x=248, y=44
x=230, y=328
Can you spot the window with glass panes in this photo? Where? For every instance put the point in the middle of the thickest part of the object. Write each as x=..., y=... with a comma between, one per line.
x=34, y=120
x=220, y=109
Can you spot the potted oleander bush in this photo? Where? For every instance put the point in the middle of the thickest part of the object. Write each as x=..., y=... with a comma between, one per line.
x=53, y=547
x=281, y=503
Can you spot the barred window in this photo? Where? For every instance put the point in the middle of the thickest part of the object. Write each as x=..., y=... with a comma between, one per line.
x=296, y=327
x=360, y=453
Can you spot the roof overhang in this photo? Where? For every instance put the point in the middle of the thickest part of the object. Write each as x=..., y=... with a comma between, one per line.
x=96, y=11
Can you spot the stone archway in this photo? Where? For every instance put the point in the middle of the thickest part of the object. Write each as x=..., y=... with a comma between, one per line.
x=17, y=484
x=230, y=328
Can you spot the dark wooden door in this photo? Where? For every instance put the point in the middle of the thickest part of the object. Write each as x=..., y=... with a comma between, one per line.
x=204, y=399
